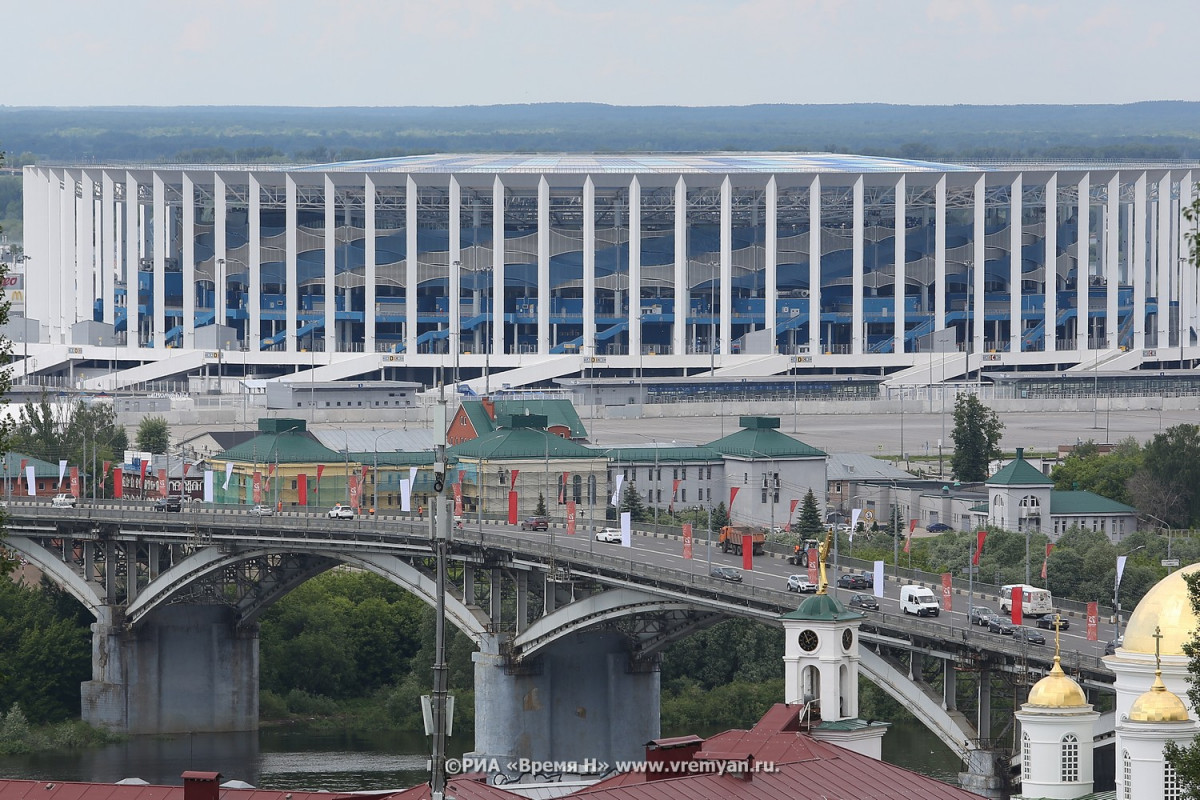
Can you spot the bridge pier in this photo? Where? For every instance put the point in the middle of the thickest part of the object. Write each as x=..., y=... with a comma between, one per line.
x=581, y=698
x=185, y=669
x=949, y=685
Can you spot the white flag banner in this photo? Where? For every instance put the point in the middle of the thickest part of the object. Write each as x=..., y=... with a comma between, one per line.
x=30, y=486
x=1120, y=568
x=405, y=495
x=879, y=579
x=228, y=473
x=854, y=522
x=208, y=486
x=616, y=498
x=412, y=476
x=62, y=470
x=626, y=532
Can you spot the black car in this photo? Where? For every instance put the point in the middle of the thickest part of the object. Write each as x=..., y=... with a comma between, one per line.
x=998, y=624
x=849, y=581
x=726, y=574
x=1031, y=635
x=1047, y=621
x=172, y=503
x=938, y=527
x=866, y=602
x=979, y=615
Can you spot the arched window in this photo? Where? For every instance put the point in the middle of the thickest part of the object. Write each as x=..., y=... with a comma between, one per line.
x=1170, y=783
x=1026, y=757
x=577, y=489
x=1070, y=759
x=1030, y=516
x=998, y=500
x=1126, y=776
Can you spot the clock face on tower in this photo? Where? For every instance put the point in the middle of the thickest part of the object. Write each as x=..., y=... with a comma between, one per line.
x=847, y=639
x=808, y=641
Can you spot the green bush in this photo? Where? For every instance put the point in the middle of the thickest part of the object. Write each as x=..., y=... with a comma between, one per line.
x=301, y=702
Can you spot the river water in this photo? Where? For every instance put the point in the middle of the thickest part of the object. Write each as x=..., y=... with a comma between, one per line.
x=300, y=758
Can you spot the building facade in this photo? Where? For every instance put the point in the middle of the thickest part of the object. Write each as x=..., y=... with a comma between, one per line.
x=614, y=263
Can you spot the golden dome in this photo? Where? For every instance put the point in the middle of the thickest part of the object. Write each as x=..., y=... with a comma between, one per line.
x=1056, y=690
x=1158, y=705
x=1166, y=606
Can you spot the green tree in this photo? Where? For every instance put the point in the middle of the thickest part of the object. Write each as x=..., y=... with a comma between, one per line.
x=1169, y=476
x=45, y=650
x=540, y=508
x=1185, y=758
x=976, y=434
x=631, y=501
x=1106, y=474
x=809, y=525
x=720, y=516
x=84, y=434
x=153, y=435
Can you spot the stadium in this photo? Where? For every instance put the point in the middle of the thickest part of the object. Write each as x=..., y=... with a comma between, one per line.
x=519, y=269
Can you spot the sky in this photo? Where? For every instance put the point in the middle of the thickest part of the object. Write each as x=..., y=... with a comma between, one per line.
x=621, y=52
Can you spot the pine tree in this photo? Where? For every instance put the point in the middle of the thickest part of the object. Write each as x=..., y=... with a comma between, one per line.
x=809, y=525
x=540, y=511
x=631, y=501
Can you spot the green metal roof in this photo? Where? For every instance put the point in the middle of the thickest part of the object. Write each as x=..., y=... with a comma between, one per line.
x=661, y=455
x=1019, y=472
x=418, y=458
x=822, y=607
x=520, y=444
x=41, y=469
x=557, y=412
x=759, y=438
x=287, y=448
x=1081, y=502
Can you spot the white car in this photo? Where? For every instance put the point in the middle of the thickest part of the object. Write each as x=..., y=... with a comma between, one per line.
x=262, y=510
x=610, y=535
x=801, y=584
x=341, y=512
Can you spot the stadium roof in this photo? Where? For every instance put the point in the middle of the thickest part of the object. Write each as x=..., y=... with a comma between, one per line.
x=641, y=163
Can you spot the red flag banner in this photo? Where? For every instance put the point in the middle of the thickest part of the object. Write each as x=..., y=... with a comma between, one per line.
x=75, y=482
x=570, y=518
x=107, y=464
x=812, y=565
x=792, y=512
x=354, y=501
x=512, y=479
x=947, y=592
x=747, y=552
x=687, y=540
x=271, y=469
x=162, y=482
x=1018, y=614
x=118, y=488
x=1093, y=621
x=732, y=496
x=320, y=471
x=562, y=488
x=458, y=500
x=512, y=507
x=256, y=486
x=980, y=536
x=302, y=489
x=1046, y=560
x=24, y=464
x=907, y=542
x=912, y=526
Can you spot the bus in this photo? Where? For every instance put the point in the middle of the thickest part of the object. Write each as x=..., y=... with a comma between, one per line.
x=1034, y=600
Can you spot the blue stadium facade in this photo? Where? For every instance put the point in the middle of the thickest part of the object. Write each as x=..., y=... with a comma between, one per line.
x=543, y=265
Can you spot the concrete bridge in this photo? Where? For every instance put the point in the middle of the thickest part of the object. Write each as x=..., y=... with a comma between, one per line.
x=568, y=630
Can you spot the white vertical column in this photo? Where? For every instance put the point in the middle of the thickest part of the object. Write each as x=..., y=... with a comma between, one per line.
x=1139, y=273
x=410, y=266
x=188, y=254
x=158, y=230
x=635, y=266
x=133, y=253
x=1050, y=257
x=1083, y=269
x=978, y=271
x=682, y=289
x=497, y=312
x=589, y=269
x=1168, y=289
x=858, y=332
x=939, y=250
x=1112, y=229
x=291, y=253
x=254, y=267
x=726, y=332
x=35, y=187
x=221, y=263
x=900, y=267
x=330, y=236
x=1188, y=284
x=89, y=289
x=771, y=254
x=545, y=291
x=369, y=255
x=814, y=265
x=1016, y=212
x=108, y=262
x=68, y=255
x=454, y=291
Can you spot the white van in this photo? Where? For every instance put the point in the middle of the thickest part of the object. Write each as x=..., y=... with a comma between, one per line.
x=63, y=501
x=918, y=600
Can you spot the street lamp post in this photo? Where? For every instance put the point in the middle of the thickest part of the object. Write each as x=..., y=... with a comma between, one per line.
x=375, y=473
x=1117, y=587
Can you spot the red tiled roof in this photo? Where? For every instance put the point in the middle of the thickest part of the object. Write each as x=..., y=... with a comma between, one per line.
x=460, y=787
x=803, y=769
x=60, y=790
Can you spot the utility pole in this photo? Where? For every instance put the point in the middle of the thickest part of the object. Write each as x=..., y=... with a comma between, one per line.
x=438, y=708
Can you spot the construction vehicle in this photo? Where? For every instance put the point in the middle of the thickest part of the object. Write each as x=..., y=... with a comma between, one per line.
x=731, y=539
x=799, y=556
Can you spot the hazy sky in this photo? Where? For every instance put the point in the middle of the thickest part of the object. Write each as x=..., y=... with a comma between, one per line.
x=624, y=52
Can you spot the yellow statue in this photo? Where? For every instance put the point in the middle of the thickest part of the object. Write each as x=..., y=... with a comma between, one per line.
x=823, y=559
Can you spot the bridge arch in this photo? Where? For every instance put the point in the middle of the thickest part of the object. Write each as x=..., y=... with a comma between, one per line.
x=59, y=572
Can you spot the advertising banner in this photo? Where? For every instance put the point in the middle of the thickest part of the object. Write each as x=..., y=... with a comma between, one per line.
x=687, y=540
x=947, y=592
x=570, y=518
x=1093, y=621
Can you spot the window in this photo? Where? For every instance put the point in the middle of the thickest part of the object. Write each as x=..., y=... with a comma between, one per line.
x=710, y=473
x=683, y=495
x=1126, y=776
x=675, y=474
x=649, y=495
x=658, y=496
x=577, y=488
x=1026, y=757
x=658, y=474
x=1069, y=771
x=683, y=474
x=745, y=477
x=1170, y=783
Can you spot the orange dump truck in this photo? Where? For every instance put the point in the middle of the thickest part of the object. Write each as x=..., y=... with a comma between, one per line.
x=731, y=539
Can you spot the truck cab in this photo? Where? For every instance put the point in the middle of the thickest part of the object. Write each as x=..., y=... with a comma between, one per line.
x=918, y=600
